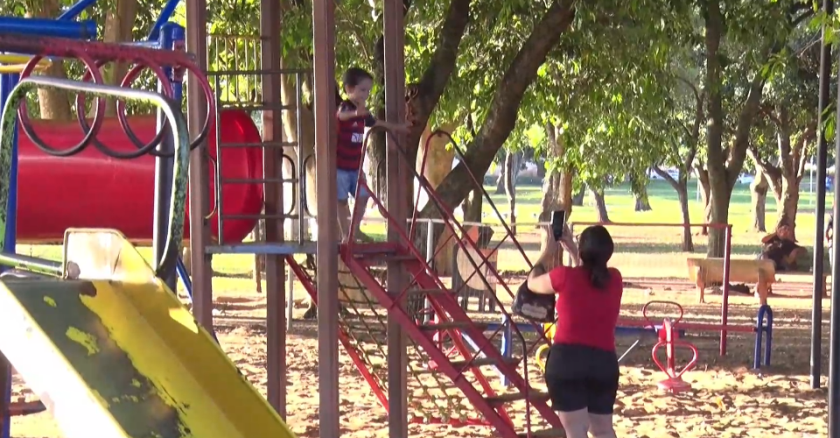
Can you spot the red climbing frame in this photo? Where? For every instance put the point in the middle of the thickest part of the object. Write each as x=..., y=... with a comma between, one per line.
x=450, y=318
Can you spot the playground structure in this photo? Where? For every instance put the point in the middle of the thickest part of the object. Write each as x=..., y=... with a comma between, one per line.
x=354, y=273
x=107, y=346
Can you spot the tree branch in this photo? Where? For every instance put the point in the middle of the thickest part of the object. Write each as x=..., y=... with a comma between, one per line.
x=738, y=150
x=772, y=171
x=667, y=177
x=444, y=60
x=504, y=108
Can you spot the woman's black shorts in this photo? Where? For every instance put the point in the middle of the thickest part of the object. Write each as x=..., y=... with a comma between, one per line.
x=581, y=377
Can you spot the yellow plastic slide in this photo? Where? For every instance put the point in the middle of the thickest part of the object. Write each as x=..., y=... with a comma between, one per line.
x=114, y=354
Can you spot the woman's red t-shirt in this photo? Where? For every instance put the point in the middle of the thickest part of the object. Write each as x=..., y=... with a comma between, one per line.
x=586, y=315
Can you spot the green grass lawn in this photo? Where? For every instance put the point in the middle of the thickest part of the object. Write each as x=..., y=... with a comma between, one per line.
x=641, y=251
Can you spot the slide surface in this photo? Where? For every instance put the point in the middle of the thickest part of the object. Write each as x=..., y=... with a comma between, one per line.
x=114, y=354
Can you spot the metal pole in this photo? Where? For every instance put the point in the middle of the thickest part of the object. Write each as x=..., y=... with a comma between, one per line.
x=275, y=264
x=163, y=179
x=202, y=275
x=7, y=84
x=430, y=260
x=834, y=344
x=819, y=248
x=48, y=27
x=724, y=306
x=323, y=25
x=394, y=38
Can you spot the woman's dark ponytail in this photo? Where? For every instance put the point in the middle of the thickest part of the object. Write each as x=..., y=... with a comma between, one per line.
x=596, y=248
x=599, y=276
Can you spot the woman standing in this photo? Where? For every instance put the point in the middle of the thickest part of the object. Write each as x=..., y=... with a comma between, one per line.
x=582, y=367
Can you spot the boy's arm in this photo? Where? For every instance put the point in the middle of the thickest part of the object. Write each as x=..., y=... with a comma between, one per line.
x=372, y=122
x=346, y=112
x=387, y=125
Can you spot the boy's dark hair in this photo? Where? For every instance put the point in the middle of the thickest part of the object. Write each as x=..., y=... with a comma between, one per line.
x=355, y=75
x=596, y=249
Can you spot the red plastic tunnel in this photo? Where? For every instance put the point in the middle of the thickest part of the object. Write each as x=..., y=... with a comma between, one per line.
x=92, y=190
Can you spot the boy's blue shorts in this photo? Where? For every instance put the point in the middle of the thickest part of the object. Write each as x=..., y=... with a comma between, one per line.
x=347, y=180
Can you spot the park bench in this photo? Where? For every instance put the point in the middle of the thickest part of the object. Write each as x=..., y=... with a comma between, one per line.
x=703, y=271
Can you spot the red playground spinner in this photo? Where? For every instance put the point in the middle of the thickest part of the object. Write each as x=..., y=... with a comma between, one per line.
x=669, y=337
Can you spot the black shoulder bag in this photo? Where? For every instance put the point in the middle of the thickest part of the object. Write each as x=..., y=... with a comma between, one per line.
x=537, y=307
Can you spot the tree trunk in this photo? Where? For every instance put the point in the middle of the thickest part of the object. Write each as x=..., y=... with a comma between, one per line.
x=473, y=206
x=438, y=156
x=642, y=204
x=119, y=26
x=577, y=199
x=705, y=196
x=721, y=196
x=724, y=164
x=438, y=163
x=511, y=171
x=54, y=104
x=680, y=185
x=784, y=178
x=640, y=194
x=682, y=195
x=557, y=185
x=600, y=205
x=500, y=180
x=789, y=202
x=377, y=171
x=759, y=188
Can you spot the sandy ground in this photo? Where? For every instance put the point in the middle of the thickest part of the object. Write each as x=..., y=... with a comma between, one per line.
x=728, y=399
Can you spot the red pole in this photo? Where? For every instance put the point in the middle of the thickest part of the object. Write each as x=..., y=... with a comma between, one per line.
x=724, y=306
x=670, y=348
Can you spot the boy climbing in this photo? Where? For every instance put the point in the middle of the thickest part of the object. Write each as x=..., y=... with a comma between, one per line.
x=353, y=118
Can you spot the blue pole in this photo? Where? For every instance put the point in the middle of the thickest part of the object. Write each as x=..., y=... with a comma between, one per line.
x=7, y=84
x=48, y=27
x=178, y=40
x=165, y=14
x=5, y=432
x=163, y=183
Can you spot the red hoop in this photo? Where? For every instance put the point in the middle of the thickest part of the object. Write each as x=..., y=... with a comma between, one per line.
x=648, y=322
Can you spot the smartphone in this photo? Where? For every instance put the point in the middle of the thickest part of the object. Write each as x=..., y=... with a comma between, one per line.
x=558, y=223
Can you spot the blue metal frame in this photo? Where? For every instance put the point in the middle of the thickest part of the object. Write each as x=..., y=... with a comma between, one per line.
x=7, y=84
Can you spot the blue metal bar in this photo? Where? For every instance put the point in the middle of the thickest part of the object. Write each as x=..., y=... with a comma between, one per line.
x=7, y=84
x=163, y=179
x=74, y=11
x=179, y=41
x=165, y=15
x=764, y=325
x=181, y=268
x=46, y=27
